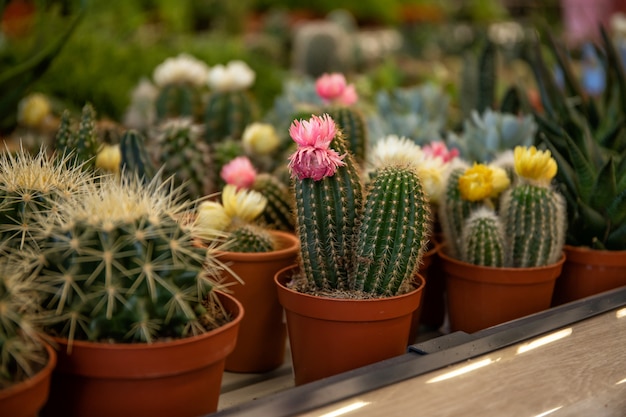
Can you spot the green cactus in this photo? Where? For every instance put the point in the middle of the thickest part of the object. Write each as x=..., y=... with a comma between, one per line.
x=327, y=214
x=354, y=129
x=227, y=113
x=82, y=143
x=535, y=221
x=119, y=264
x=250, y=238
x=22, y=353
x=33, y=183
x=483, y=241
x=393, y=232
x=179, y=100
x=135, y=157
x=279, y=211
x=182, y=153
x=454, y=210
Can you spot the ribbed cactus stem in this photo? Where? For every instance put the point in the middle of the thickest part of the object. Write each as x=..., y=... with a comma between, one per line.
x=393, y=232
x=135, y=157
x=83, y=143
x=354, y=129
x=227, y=114
x=250, y=238
x=327, y=213
x=279, y=211
x=178, y=100
x=535, y=222
x=453, y=211
x=483, y=239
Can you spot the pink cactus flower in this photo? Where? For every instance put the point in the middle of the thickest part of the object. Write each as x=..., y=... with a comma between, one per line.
x=239, y=172
x=330, y=86
x=439, y=149
x=349, y=96
x=314, y=158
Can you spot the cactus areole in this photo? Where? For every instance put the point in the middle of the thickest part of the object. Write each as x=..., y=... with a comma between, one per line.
x=354, y=242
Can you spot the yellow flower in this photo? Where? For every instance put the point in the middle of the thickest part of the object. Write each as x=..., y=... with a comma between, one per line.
x=500, y=181
x=242, y=204
x=476, y=183
x=109, y=158
x=33, y=109
x=260, y=138
x=534, y=164
x=211, y=221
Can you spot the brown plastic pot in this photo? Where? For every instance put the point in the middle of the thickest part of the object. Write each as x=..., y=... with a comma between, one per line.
x=424, y=271
x=28, y=397
x=262, y=334
x=587, y=272
x=328, y=336
x=480, y=297
x=181, y=377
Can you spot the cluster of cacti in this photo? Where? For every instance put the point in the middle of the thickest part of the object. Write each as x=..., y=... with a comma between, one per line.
x=120, y=264
x=521, y=226
x=354, y=240
x=33, y=183
x=181, y=152
x=83, y=142
x=21, y=350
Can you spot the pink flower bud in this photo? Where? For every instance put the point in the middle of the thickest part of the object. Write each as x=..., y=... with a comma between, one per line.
x=239, y=172
x=330, y=86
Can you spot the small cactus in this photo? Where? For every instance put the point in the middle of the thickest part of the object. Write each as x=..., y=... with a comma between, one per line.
x=354, y=129
x=251, y=238
x=483, y=239
x=120, y=264
x=135, y=158
x=279, y=211
x=81, y=143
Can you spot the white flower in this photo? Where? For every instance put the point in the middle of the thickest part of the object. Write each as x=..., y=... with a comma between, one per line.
x=394, y=150
x=183, y=69
x=236, y=75
x=141, y=113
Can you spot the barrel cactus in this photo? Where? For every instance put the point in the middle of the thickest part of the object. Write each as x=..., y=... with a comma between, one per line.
x=345, y=230
x=120, y=264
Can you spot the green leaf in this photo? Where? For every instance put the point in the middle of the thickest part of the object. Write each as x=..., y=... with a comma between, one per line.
x=487, y=77
x=616, y=209
x=592, y=224
x=606, y=186
x=617, y=238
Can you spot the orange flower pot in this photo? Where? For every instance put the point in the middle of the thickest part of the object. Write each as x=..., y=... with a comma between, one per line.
x=480, y=297
x=180, y=378
x=28, y=397
x=427, y=261
x=333, y=335
x=262, y=334
x=587, y=272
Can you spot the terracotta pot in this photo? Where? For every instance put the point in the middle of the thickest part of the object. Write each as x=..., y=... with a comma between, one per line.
x=587, y=272
x=480, y=297
x=424, y=271
x=181, y=377
x=262, y=334
x=28, y=397
x=328, y=336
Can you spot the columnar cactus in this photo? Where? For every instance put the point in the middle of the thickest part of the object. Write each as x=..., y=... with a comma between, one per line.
x=482, y=239
x=371, y=247
x=82, y=143
x=278, y=213
x=120, y=264
x=135, y=158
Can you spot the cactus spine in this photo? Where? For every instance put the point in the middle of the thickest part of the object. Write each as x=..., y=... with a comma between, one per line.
x=227, y=114
x=483, y=239
x=135, y=157
x=393, y=232
x=278, y=213
x=535, y=221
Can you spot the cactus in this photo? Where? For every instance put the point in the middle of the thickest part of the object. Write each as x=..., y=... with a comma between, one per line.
x=392, y=233
x=178, y=100
x=535, y=222
x=33, y=183
x=227, y=113
x=82, y=143
x=354, y=129
x=278, y=213
x=483, y=239
x=251, y=238
x=136, y=160
x=183, y=154
x=21, y=351
x=119, y=264
x=341, y=235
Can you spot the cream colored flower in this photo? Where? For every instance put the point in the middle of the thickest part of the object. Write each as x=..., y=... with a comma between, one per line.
x=236, y=75
x=211, y=221
x=432, y=181
x=394, y=150
x=109, y=158
x=535, y=165
x=245, y=205
x=33, y=109
x=260, y=138
x=183, y=69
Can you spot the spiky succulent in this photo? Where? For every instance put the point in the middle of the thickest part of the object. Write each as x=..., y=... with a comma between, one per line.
x=120, y=264
x=82, y=142
x=33, y=184
x=371, y=245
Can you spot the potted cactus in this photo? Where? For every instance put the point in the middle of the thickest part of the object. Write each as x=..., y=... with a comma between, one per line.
x=584, y=130
x=26, y=361
x=131, y=302
x=504, y=229
x=253, y=254
x=353, y=292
